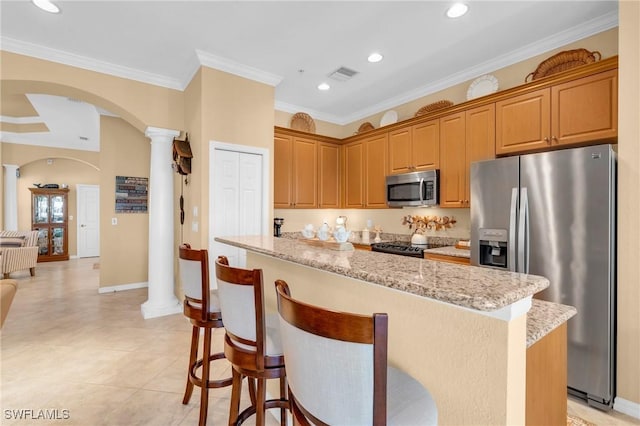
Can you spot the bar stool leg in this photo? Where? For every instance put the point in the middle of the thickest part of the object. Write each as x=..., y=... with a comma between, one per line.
x=204, y=395
x=195, y=337
x=283, y=393
x=236, y=390
x=261, y=397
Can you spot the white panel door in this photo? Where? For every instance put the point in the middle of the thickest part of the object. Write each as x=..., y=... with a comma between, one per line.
x=88, y=221
x=237, y=201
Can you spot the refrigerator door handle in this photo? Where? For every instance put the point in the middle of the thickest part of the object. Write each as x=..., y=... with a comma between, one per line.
x=523, y=233
x=512, y=230
x=420, y=190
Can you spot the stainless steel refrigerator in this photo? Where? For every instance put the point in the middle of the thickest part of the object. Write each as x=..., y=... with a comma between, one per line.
x=554, y=214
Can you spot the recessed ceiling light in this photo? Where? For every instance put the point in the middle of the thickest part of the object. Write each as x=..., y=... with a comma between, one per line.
x=457, y=10
x=374, y=57
x=46, y=5
x=323, y=86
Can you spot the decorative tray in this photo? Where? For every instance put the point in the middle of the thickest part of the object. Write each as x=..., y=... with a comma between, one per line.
x=330, y=244
x=303, y=121
x=563, y=61
x=433, y=107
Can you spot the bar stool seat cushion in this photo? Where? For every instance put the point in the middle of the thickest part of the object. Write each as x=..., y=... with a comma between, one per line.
x=214, y=302
x=408, y=402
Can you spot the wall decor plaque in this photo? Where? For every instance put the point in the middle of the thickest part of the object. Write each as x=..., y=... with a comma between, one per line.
x=131, y=194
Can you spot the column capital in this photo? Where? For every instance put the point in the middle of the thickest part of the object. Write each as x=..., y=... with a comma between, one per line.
x=158, y=132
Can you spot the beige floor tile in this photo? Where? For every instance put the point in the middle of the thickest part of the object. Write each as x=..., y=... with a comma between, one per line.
x=64, y=346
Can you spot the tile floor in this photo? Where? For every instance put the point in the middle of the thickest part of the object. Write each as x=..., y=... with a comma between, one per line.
x=95, y=360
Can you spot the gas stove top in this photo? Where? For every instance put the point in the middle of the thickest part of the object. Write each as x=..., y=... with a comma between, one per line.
x=402, y=248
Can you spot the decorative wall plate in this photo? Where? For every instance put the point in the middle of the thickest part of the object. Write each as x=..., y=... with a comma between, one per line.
x=482, y=86
x=389, y=117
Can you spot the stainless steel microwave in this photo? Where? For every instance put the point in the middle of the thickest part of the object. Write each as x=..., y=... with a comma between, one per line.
x=414, y=189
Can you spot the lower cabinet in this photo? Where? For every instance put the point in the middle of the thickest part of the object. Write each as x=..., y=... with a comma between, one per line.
x=546, y=389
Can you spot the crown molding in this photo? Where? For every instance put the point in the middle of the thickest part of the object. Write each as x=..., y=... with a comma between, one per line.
x=84, y=62
x=20, y=120
x=236, y=68
x=318, y=115
x=563, y=38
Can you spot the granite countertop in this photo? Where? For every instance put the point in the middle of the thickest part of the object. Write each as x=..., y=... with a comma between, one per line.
x=544, y=317
x=450, y=251
x=471, y=287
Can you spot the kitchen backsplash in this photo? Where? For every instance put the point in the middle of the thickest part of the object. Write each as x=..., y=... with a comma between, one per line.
x=389, y=219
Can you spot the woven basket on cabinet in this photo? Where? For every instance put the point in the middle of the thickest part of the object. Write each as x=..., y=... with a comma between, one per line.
x=563, y=61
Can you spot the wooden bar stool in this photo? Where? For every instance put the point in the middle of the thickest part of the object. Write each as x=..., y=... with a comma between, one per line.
x=337, y=369
x=252, y=341
x=202, y=308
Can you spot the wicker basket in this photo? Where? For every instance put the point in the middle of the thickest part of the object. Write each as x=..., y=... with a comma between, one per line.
x=365, y=127
x=303, y=121
x=563, y=61
x=433, y=107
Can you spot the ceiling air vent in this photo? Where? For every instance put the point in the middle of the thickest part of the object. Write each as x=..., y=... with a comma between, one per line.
x=343, y=74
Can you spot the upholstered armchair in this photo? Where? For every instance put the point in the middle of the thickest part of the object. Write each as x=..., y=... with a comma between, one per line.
x=18, y=251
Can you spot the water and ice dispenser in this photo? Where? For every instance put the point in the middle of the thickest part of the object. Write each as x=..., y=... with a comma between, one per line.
x=493, y=248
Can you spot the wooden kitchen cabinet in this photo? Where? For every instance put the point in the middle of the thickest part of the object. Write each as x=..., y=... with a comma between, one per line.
x=570, y=113
x=328, y=175
x=296, y=174
x=49, y=216
x=465, y=137
x=354, y=175
x=365, y=170
x=375, y=166
x=414, y=148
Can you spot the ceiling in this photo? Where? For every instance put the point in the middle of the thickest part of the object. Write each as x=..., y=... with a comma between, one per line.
x=295, y=45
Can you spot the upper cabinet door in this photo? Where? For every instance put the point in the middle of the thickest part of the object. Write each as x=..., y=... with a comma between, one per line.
x=376, y=171
x=426, y=145
x=282, y=172
x=453, y=161
x=305, y=173
x=329, y=175
x=353, y=175
x=523, y=122
x=400, y=158
x=481, y=140
x=585, y=109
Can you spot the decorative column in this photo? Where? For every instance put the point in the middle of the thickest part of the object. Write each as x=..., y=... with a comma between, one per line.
x=10, y=197
x=161, y=297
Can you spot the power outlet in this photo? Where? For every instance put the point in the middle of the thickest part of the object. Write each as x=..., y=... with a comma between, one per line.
x=114, y=220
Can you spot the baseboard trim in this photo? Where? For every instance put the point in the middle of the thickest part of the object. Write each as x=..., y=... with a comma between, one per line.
x=122, y=287
x=627, y=407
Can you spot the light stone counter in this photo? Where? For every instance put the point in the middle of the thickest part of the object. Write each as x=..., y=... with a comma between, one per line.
x=470, y=287
x=544, y=317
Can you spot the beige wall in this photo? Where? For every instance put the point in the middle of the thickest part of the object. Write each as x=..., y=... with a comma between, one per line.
x=283, y=119
x=223, y=108
x=124, y=252
x=138, y=103
x=68, y=166
x=628, y=386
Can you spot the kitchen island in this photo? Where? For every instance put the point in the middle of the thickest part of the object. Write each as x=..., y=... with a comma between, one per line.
x=460, y=330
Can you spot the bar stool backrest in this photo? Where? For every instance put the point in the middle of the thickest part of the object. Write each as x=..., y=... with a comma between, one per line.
x=242, y=305
x=194, y=275
x=336, y=362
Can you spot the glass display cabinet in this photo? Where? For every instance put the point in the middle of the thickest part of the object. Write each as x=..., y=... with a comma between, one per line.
x=49, y=217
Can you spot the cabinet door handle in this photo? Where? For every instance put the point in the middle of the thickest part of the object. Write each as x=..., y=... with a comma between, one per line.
x=546, y=139
x=554, y=139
